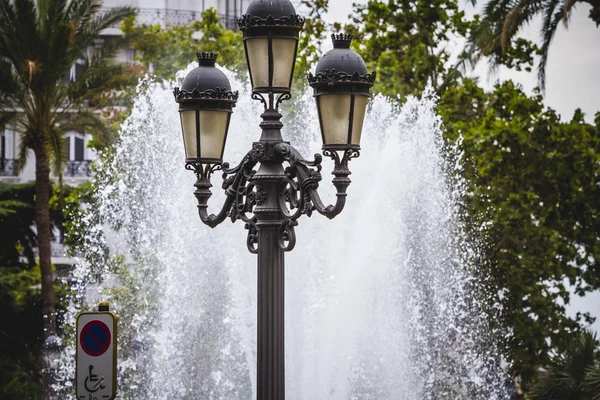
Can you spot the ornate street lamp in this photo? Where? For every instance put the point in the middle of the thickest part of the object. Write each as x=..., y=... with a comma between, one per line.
x=205, y=105
x=273, y=185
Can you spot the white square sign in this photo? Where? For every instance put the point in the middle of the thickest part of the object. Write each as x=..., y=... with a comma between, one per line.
x=96, y=357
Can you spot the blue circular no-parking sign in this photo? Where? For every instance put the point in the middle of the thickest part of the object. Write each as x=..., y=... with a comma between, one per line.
x=95, y=338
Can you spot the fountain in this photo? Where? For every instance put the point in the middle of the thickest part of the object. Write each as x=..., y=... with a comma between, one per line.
x=379, y=301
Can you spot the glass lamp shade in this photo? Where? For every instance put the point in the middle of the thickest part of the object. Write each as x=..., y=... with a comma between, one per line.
x=341, y=117
x=341, y=87
x=271, y=30
x=205, y=106
x=204, y=134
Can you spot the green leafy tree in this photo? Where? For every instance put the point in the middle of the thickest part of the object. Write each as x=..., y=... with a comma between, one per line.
x=402, y=40
x=533, y=195
x=20, y=295
x=40, y=40
x=496, y=34
x=20, y=345
x=170, y=49
x=572, y=374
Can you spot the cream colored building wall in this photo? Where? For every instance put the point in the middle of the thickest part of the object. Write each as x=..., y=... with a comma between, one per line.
x=235, y=6
x=13, y=141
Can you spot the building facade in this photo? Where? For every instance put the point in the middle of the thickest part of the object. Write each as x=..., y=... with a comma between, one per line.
x=79, y=156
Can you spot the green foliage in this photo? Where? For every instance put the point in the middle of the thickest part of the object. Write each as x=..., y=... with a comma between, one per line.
x=171, y=49
x=20, y=333
x=132, y=305
x=17, y=218
x=401, y=40
x=571, y=374
x=20, y=297
x=533, y=194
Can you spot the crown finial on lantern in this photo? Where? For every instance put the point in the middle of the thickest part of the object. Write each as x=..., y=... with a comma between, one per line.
x=207, y=59
x=341, y=40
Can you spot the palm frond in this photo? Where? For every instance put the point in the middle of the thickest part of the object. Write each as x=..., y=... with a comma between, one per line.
x=83, y=117
x=567, y=8
x=566, y=376
x=549, y=24
x=56, y=149
x=511, y=23
x=22, y=154
x=49, y=13
x=11, y=207
x=85, y=33
x=101, y=75
x=592, y=381
x=42, y=40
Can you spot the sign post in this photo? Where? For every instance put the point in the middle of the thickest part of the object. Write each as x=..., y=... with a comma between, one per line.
x=96, y=355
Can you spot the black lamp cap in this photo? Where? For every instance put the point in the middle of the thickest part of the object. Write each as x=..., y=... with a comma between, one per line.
x=342, y=58
x=262, y=14
x=206, y=76
x=205, y=82
x=341, y=69
x=274, y=8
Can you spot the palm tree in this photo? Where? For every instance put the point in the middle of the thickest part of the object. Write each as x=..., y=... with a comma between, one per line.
x=40, y=41
x=592, y=381
x=573, y=374
x=502, y=20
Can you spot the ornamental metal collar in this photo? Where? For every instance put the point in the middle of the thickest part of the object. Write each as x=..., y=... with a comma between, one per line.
x=333, y=76
x=293, y=21
x=210, y=94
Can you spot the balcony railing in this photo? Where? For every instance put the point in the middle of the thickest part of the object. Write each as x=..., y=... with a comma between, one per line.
x=162, y=17
x=78, y=169
x=7, y=167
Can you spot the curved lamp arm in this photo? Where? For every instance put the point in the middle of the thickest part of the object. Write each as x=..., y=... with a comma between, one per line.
x=308, y=183
x=234, y=186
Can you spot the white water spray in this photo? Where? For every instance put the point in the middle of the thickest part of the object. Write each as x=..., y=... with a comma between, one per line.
x=378, y=300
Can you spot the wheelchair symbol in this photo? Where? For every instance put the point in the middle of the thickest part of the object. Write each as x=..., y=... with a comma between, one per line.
x=95, y=382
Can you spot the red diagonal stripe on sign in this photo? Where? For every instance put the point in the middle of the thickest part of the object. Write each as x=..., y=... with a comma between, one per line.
x=89, y=332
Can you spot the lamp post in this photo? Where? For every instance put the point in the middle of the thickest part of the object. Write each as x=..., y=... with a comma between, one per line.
x=268, y=197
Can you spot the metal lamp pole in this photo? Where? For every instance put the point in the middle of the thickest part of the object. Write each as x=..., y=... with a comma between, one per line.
x=273, y=185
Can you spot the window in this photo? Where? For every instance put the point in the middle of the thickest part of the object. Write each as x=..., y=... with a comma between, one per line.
x=78, y=149
x=77, y=159
x=7, y=152
x=75, y=147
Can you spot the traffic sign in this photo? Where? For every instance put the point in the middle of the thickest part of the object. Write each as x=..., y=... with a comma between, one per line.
x=95, y=338
x=96, y=356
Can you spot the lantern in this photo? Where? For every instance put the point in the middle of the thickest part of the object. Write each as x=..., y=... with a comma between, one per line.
x=271, y=30
x=205, y=106
x=341, y=88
